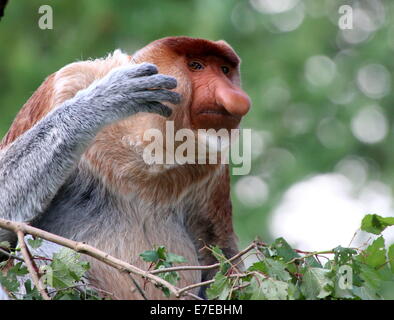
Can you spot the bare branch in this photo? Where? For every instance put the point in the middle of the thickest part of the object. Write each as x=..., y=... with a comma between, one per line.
x=29, y=263
x=195, y=285
x=138, y=287
x=6, y=253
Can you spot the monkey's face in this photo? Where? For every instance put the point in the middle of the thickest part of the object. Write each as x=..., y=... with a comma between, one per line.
x=218, y=101
x=208, y=81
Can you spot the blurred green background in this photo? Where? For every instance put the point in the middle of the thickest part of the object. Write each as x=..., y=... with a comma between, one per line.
x=322, y=96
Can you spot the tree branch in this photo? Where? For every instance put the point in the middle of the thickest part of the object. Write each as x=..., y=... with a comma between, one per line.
x=29, y=263
x=2, y=251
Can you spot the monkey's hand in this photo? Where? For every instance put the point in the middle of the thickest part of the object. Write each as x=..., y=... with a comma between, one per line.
x=36, y=164
x=127, y=90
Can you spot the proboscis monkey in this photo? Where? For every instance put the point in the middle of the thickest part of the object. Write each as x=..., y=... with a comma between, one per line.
x=72, y=164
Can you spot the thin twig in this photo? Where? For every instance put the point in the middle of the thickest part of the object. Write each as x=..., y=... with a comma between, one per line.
x=195, y=285
x=310, y=255
x=10, y=255
x=193, y=296
x=29, y=264
x=138, y=287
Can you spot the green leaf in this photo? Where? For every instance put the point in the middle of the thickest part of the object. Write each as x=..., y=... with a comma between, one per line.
x=166, y=291
x=31, y=291
x=391, y=257
x=5, y=245
x=280, y=250
x=219, y=255
x=370, y=276
x=162, y=253
x=375, y=254
x=365, y=293
x=293, y=292
x=343, y=255
x=150, y=256
x=19, y=269
x=173, y=258
x=65, y=269
x=163, y=259
x=316, y=284
x=219, y=289
x=273, y=268
x=268, y=289
x=35, y=243
x=375, y=224
x=284, y=250
x=312, y=262
x=172, y=277
x=70, y=294
x=9, y=282
x=387, y=290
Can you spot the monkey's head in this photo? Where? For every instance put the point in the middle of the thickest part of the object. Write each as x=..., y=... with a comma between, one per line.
x=208, y=81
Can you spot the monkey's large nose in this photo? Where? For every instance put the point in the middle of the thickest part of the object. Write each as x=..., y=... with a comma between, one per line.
x=234, y=100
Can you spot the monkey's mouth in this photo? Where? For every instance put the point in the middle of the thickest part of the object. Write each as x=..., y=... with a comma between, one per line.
x=219, y=112
x=216, y=119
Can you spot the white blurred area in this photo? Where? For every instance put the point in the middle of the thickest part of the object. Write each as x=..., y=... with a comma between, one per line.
x=320, y=70
x=370, y=125
x=282, y=15
x=252, y=191
x=288, y=15
x=324, y=211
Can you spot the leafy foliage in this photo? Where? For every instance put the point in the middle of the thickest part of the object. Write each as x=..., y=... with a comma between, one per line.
x=62, y=275
x=376, y=224
x=279, y=272
x=283, y=273
x=160, y=259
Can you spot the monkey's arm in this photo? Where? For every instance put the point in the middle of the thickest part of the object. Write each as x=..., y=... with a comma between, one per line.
x=218, y=227
x=220, y=220
x=34, y=166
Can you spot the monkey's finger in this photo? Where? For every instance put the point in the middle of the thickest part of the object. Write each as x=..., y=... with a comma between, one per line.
x=156, y=107
x=140, y=70
x=158, y=81
x=158, y=95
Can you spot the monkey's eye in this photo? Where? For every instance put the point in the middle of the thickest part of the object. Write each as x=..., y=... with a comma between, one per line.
x=225, y=69
x=195, y=65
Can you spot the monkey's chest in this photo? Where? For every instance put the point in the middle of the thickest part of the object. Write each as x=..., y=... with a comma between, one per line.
x=122, y=228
